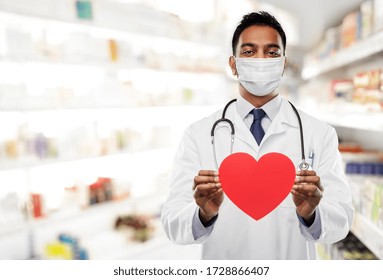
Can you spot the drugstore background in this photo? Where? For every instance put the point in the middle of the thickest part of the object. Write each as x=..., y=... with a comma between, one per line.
x=95, y=95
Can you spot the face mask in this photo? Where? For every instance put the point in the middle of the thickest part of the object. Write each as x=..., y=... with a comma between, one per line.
x=260, y=76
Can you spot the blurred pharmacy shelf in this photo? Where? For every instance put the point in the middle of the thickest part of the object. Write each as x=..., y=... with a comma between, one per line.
x=13, y=227
x=95, y=229
x=111, y=17
x=144, y=118
x=367, y=196
x=115, y=247
x=78, y=213
x=343, y=86
x=94, y=104
x=94, y=223
x=359, y=50
x=349, y=115
x=99, y=38
x=349, y=248
x=369, y=234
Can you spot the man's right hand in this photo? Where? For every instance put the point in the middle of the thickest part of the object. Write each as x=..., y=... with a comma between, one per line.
x=208, y=194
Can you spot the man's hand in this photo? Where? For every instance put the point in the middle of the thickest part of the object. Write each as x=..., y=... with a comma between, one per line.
x=307, y=193
x=208, y=194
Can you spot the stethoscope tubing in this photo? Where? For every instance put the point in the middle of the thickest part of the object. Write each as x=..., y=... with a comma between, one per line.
x=303, y=165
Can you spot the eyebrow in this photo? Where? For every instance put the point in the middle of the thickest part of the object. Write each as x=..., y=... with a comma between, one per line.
x=267, y=45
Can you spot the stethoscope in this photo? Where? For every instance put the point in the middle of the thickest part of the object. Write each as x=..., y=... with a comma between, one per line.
x=302, y=166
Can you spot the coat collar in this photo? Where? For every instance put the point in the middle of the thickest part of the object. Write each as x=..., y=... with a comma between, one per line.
x=284, y=119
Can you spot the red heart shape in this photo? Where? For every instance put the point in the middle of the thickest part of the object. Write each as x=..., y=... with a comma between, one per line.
x=257, y=188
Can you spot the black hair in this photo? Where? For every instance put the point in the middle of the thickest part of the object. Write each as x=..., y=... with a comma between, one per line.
x=258, y=18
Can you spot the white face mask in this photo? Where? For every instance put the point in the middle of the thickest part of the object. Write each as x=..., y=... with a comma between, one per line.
x=260, y=76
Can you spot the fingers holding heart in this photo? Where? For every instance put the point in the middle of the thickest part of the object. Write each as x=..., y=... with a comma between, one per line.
x=208, y=190
x=306, y=190
x=307, y=185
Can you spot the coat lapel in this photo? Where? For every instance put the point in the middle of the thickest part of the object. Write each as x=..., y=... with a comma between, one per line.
x=284, y=119
x=242, y=132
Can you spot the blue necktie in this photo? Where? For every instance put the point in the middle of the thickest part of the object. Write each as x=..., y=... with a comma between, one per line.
x=256, y=128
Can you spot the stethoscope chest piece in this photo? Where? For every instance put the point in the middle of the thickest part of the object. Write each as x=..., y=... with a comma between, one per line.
x=304, y=166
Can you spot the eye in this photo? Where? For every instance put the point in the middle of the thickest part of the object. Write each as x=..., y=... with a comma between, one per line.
x=273, y=53
x=248, y=52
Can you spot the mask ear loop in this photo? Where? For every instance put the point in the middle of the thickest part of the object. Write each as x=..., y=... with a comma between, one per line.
x=234, y=71
x=284, y=65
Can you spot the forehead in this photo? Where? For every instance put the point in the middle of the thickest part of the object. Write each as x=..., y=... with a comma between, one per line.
x=260, y=34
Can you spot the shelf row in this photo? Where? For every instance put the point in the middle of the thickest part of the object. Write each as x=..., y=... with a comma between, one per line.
x=41, y=138
x=346, y=115
x=60, y=41
x=51, y=195
x=359, y=36
x=43, y=86
x=367, y=225
x=69, y=63
x=356, y=52
x=369, y=234
x=88, y=226
x=110, y=18
x=26, y=223
x=349, y=248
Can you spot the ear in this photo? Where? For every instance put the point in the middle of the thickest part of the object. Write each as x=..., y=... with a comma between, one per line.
x=232, y=65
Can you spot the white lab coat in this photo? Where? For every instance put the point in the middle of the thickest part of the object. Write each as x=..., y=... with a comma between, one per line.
x=279, y=235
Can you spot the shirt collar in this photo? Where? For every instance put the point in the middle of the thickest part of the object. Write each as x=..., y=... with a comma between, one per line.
x=271, y=108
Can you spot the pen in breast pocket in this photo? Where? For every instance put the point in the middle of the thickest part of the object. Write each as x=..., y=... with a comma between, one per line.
x=311, y=157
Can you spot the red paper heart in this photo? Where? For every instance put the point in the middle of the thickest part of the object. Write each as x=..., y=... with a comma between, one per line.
x=257, y=188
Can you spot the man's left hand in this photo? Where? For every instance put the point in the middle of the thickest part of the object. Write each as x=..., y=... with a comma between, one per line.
x=307, y=193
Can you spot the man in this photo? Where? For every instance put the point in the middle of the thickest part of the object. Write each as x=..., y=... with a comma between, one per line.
x=319, y=207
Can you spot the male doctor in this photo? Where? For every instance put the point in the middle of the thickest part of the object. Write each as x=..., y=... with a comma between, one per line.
x=318, y=208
